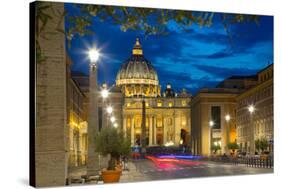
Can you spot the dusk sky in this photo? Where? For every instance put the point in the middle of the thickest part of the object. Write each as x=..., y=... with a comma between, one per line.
x=201, y=57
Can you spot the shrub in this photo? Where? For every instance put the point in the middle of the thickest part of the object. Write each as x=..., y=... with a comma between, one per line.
x=113, y=142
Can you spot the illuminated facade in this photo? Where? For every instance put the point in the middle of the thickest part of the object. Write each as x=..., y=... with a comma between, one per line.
x=77, y=124
x=259, y=123
x=221, y=115
x=167, y=115
x=209, y=109
x=137, y=76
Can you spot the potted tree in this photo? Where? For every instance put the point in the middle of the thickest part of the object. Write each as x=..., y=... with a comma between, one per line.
x=263, y=144
x=257, y=145
x=263, y=147
x=124, y=149
x=233, y=146
x=215, y=148
x=113, y=142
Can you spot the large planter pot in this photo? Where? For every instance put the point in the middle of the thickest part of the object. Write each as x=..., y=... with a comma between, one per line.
x=111, y=176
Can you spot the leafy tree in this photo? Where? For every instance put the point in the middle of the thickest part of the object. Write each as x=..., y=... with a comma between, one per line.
x=233, y=146
x=149, y=20
x=113, y=142
x=257, y=145
x=215, y=148
x=261, y=144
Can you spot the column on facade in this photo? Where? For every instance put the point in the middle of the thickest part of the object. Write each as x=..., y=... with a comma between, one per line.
x=132, y=131
x=80, y=149
x=71, y=144
x=174, y=127
x=104, y=116
x=178, y=119
x=150, y=130
x=154, y=129
x=164, y=130
x=125, y=125
x=252, y=131
x=224, y=130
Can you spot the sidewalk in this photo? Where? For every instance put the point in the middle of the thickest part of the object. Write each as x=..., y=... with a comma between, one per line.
x=132, y=175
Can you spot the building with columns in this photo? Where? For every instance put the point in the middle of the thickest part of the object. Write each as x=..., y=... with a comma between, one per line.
x=77, y=116
x=221, y=115
x=209, y=126
x=259, y=123
x=213, y=114
x=167, y=115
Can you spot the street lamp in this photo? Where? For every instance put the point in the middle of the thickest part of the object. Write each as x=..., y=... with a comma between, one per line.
x=109, y=109
x=251, y=109
x=104, y=93
x=93, y=55
x=227, y=117
x=115, y=125
x=92, y=166
x=112, y=119
x=211, y=124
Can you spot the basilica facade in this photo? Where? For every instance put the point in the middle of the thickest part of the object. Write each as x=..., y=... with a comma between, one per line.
x=137, y=101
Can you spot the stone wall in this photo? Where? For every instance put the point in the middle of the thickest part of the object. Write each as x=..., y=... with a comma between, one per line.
x=51, y=125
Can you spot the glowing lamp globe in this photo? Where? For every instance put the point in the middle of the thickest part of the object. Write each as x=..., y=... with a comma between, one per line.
x=251, y=109
x=93, y=55
x=104, y=93
x=227, y=117
x=109, y=109
x=115, y=125
x=211, y=123
x=112, y=119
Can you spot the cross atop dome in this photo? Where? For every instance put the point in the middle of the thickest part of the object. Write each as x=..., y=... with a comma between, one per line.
x=137, y=50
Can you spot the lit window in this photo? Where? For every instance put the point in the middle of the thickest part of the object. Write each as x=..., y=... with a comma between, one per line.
x=128, y=104
x=183, y=103
x=159, y=104
x=170, y=104
x=146, y=104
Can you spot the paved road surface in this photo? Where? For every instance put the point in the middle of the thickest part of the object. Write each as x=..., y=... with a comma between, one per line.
x=147, y=170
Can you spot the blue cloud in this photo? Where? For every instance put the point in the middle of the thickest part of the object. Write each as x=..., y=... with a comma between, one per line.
x=198, y=57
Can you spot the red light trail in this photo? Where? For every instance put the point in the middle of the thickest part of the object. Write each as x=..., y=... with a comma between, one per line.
x=171, y=162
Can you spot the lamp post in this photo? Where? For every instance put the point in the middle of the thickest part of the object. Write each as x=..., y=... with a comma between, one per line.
x=251, y=110
x=112, y=119
x=115, y=125
x=92, y=165
x=109, y=110
x=143, y=128
x=227, y=119
x=104, y=95
x=211, y=124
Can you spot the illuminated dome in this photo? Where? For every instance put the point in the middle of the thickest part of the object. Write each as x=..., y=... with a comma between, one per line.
x=137, y=76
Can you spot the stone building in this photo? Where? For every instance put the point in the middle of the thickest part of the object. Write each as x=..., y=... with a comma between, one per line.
x=213, y=119
x=167, y=115
x=259, y=123
x=221, y=115
x=77, y=125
